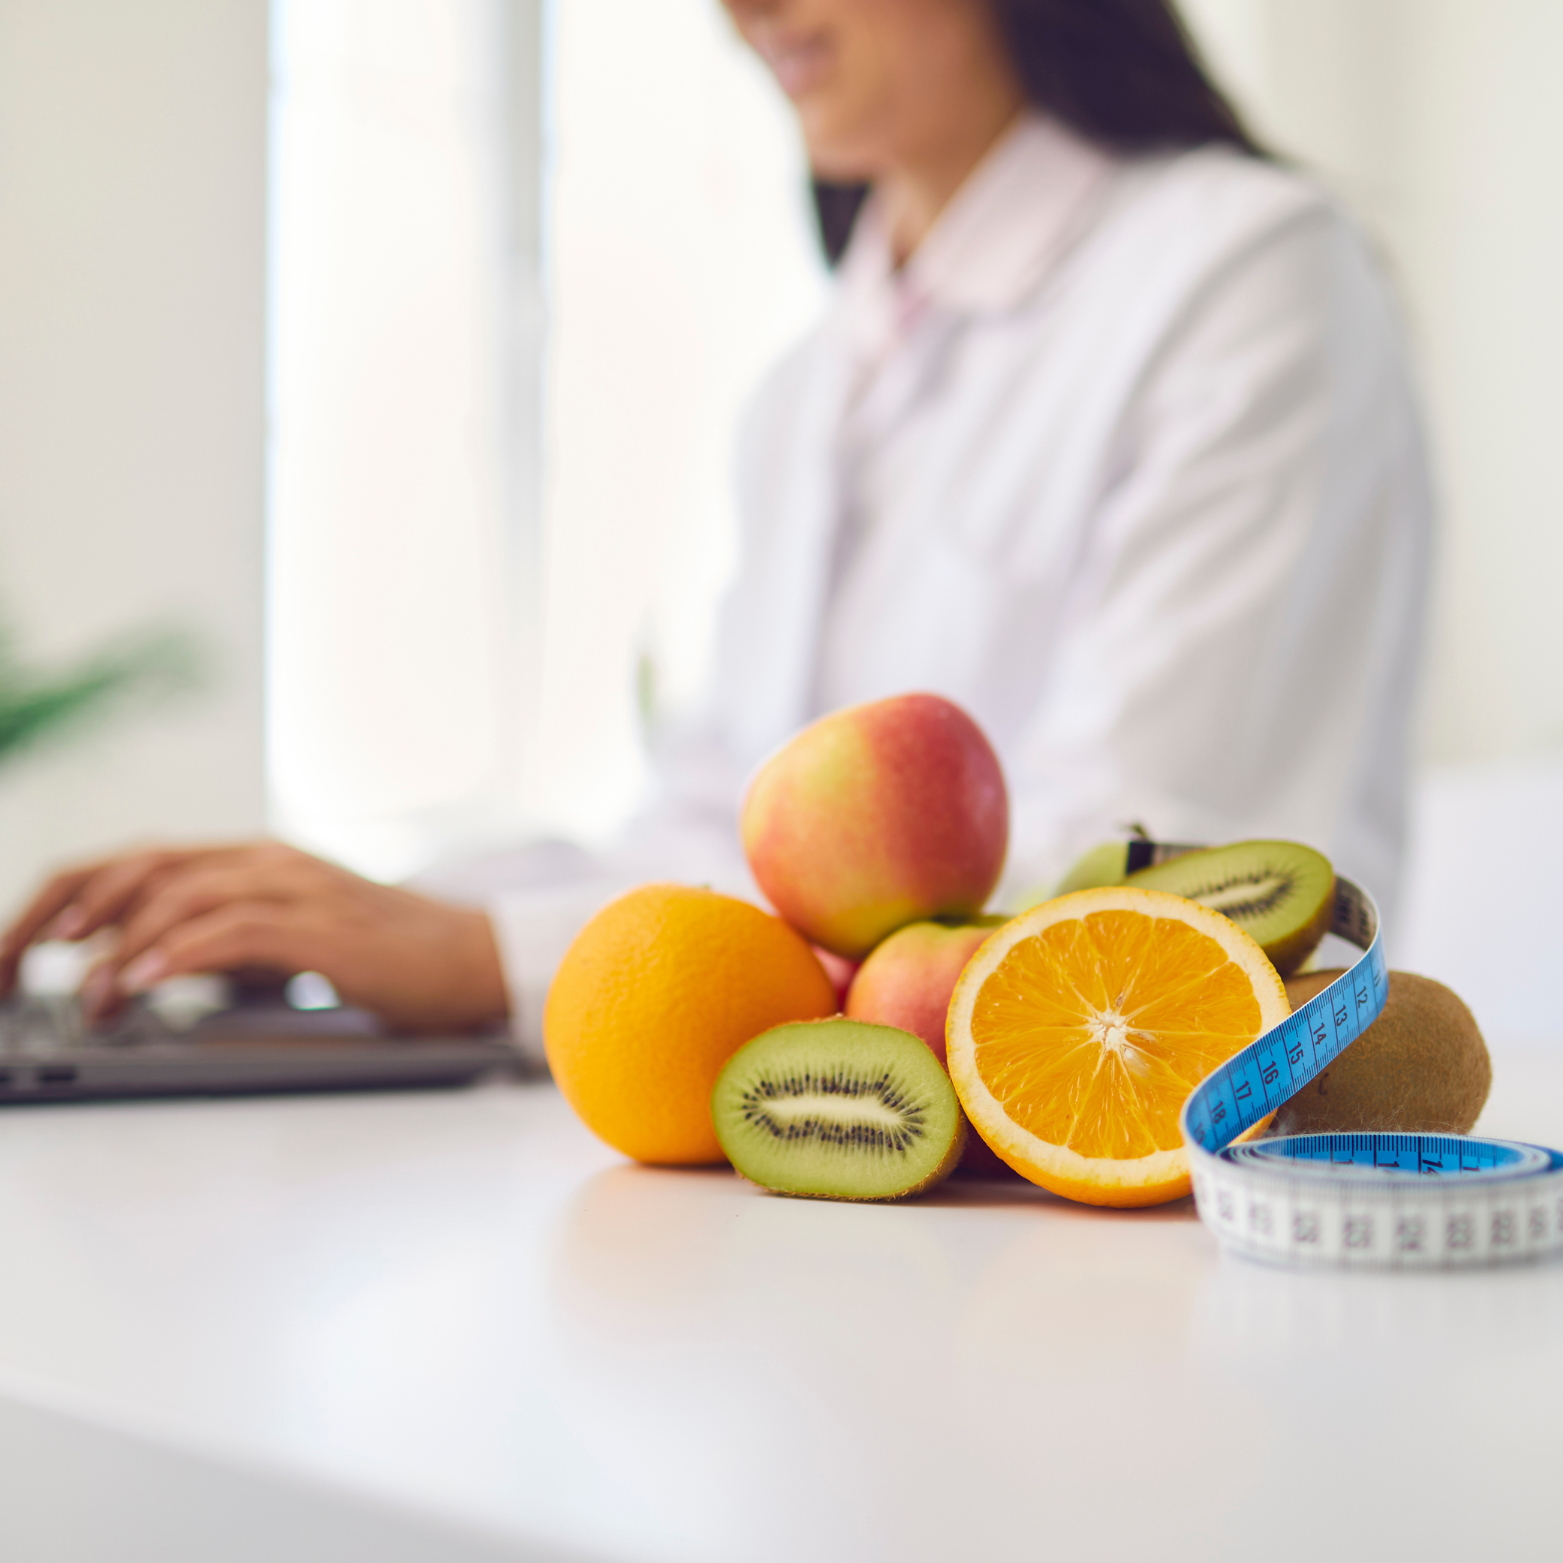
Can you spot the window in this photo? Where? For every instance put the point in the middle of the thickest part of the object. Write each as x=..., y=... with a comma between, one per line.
x=405, y=348
x=469, y=625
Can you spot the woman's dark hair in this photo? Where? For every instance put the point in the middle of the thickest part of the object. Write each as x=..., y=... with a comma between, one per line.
x=1123, y=73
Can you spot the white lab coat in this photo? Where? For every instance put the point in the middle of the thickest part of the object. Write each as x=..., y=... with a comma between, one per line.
x=1125, y=462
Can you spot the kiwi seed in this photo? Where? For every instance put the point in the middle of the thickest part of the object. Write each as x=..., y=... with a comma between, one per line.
x=1279, y=892
x=838, y=1109
x=1420, y=1068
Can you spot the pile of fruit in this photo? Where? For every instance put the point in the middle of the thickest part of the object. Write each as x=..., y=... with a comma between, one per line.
x=882, y=1029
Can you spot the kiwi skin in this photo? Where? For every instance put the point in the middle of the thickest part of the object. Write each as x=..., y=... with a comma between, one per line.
x=1420, y=1068
x=1105, y=864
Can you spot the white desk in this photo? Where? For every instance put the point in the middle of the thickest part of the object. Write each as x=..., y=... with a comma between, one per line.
x=453, y=1327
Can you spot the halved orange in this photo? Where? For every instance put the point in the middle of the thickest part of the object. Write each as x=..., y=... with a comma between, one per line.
x=1077, y=1032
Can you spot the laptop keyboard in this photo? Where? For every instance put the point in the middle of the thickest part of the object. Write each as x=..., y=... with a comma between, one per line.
x=40, y=1026
x=34, y=1026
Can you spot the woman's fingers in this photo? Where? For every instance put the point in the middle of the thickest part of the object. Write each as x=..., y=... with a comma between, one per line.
x=44, y=907
x=78, y=902
x=201, y=887
x=261, y=874
x=418, y=964
x=241, y=933
x=106, y=896
x=181, y=900
x=75, y=903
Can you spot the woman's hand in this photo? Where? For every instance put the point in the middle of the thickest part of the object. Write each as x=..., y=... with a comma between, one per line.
x=420, y=964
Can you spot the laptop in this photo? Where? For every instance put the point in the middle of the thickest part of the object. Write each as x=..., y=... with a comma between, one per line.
x=225, y=1040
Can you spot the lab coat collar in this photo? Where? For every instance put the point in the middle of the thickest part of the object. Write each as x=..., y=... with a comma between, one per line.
x=1005, y=229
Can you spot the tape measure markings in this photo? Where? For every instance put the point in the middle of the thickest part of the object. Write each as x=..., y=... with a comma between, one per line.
x=1255, y=1082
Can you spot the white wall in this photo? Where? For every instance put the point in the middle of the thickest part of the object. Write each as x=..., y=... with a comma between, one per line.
x=1439, y=121
x=132, y=286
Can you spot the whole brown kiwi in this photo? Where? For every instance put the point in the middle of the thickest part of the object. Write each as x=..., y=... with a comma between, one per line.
x=1420, y=1068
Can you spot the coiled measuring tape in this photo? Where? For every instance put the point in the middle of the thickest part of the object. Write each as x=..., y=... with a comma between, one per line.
x=1397, y=1200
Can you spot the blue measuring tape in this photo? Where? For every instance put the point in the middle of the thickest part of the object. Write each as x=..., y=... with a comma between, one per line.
x=1398, y=1200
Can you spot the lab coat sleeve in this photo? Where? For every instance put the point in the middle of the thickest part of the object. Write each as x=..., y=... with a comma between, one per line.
x=1232, y=581
x=537, y=898
x=687, y=834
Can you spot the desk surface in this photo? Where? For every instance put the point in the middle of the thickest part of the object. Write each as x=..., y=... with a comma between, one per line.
x=455, y=1317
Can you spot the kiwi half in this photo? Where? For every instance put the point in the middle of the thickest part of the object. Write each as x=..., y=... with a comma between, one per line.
x=1279, y=892
x=838, y=1109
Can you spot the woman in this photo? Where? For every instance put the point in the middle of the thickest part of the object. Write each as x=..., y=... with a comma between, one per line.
x=1106, y=436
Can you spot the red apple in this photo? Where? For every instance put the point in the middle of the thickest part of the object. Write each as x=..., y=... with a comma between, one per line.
x=878, y=816
x=907, y=982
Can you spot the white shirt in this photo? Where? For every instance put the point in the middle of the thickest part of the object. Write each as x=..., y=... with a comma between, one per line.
x=1125, y=462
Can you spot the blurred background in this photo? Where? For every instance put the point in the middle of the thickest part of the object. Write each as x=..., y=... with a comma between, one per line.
x=390, y=352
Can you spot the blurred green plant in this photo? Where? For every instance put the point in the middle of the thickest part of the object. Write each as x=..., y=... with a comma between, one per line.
x=37, y=706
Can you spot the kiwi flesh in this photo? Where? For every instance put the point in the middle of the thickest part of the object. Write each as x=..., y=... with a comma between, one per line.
x=838, y=1109
x=1279, y=892
x=1420, y=1068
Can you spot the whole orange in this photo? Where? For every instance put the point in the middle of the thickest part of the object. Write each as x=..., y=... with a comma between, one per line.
x=658, y=991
